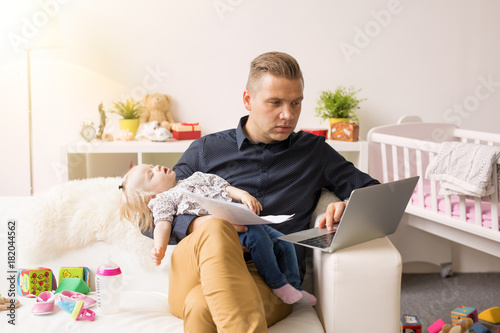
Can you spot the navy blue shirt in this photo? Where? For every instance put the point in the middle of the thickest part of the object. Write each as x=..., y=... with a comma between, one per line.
x=285, y=176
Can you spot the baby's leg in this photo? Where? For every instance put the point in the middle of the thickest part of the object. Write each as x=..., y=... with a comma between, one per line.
x=287, y=260
x=261, y=249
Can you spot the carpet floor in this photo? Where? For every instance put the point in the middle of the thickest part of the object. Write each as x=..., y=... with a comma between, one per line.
x=430, y=297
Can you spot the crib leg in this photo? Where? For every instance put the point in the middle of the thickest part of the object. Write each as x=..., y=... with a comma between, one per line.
x=446, y=270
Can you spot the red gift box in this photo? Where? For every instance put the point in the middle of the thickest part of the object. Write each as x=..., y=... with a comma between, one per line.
x=186, y=131
x=323, y=132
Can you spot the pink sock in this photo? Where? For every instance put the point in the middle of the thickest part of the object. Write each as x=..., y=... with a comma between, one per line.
x=308, y=298
x=288, y=294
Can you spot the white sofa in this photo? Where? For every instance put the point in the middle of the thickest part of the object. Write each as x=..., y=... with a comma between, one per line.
x=75, y=224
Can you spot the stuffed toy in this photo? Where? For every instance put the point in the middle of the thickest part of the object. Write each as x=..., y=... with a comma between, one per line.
x=462, y=327
x=156, y=109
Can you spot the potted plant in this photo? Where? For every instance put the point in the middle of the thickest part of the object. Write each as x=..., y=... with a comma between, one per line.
x=130, y=111
x=339, y=106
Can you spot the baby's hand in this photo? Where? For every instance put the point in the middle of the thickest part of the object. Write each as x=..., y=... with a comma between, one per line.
x=251, y=203
x=157, y=254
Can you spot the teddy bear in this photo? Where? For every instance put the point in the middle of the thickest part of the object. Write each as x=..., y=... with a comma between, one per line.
x=156, y=109
x=462, y=327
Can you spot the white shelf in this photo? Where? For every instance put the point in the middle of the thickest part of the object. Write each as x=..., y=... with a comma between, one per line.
x=116, y=147
x=95, y=159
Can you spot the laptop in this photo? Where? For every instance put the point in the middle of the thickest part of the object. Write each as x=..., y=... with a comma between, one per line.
x=372, y=212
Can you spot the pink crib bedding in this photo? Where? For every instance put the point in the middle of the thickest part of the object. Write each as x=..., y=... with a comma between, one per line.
x=455, y=205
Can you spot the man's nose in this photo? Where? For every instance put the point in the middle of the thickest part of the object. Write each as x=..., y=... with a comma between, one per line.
x=286, y=112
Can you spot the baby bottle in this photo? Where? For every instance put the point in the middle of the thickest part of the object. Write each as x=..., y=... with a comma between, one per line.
x=108, y=285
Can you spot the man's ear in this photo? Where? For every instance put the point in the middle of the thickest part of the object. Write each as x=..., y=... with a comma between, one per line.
x=247, y=100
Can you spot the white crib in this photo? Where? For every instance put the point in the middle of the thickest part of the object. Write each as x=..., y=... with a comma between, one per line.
x=404, y=150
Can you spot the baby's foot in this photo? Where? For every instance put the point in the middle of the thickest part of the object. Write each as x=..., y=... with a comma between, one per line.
x=288, y=294
x=308, y=299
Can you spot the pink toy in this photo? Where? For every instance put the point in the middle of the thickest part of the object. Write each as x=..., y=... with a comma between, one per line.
x=44, y=303
x=436, y=326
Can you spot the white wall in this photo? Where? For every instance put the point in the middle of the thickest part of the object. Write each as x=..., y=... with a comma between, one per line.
x=409, y=57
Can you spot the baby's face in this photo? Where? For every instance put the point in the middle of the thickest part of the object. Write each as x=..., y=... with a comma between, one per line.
x=151, y=178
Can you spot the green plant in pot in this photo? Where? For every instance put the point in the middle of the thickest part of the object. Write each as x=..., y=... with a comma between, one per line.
x=130, y=111
x=339, y=106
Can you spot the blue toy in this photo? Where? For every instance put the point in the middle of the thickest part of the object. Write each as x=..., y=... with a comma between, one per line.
x=479, y=328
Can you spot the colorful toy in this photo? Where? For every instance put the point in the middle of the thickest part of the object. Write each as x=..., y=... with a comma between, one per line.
x=77, y=310
x=34, y=281
x=461, y=327
x=479, y=328
x=491, y=315
x=75, y=272
x=410, y=322
x=462, y=313
x=436, y=326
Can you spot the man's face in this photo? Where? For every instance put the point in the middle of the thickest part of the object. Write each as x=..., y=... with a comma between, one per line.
x=274, y=108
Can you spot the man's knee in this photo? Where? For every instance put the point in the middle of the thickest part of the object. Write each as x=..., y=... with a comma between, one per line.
x=196, y=314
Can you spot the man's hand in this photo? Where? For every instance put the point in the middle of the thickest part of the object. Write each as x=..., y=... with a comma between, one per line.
x=157, y=254
x=333, y=214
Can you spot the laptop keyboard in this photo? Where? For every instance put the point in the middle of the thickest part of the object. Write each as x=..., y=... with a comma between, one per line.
x=322, y=241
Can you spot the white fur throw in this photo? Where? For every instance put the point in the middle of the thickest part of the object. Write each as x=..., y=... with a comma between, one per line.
x=75, y=214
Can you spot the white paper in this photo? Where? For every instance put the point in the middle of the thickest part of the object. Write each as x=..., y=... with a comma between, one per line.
x=234, y=212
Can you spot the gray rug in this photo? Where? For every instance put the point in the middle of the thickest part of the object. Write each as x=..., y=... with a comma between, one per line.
x=430, y=297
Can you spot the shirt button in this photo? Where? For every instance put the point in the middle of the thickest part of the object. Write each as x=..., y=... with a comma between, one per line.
x=259, y=195
x=264, y=170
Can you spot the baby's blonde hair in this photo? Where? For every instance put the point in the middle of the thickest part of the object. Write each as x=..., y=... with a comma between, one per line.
x=134, y=205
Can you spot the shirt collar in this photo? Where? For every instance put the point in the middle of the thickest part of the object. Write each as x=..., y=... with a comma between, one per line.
x=241, y=137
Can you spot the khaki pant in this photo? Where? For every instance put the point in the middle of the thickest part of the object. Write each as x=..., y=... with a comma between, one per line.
x=213, y=290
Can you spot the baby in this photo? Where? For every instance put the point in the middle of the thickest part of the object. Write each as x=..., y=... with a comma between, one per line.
x=154, y=189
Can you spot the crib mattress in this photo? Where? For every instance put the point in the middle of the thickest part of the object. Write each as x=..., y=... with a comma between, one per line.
x=455, y=205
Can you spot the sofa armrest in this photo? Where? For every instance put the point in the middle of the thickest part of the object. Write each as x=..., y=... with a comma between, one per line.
x=358, y=284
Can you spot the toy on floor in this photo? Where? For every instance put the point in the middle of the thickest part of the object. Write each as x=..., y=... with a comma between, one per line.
x=462, y=313
x=436, y=326
x=479, y=328
x=491, y=315
x=462, y=327
x=410, y=322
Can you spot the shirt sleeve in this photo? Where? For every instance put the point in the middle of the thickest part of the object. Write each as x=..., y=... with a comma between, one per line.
x=341, y=176
x=163, y=207
x=185, y=167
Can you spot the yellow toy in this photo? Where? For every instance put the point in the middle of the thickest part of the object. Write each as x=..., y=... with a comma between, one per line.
x=156, y=108
x=491, y=315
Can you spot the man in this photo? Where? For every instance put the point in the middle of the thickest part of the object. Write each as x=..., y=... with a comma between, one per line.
x=284, y=170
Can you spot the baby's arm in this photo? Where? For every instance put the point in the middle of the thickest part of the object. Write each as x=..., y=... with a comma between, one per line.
x=161, y=236
x=245, y=197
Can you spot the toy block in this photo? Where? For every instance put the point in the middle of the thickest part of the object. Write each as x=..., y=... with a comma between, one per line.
x=75, y=272
x=491, y=315
x=34, y=281
x=462, y=313
x=436, y=326
x=410, y=322
x=479, y=328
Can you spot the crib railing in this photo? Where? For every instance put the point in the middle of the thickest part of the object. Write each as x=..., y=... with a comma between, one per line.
x=403, y=157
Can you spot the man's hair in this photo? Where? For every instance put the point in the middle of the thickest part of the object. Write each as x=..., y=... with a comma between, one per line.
x=276, y=63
